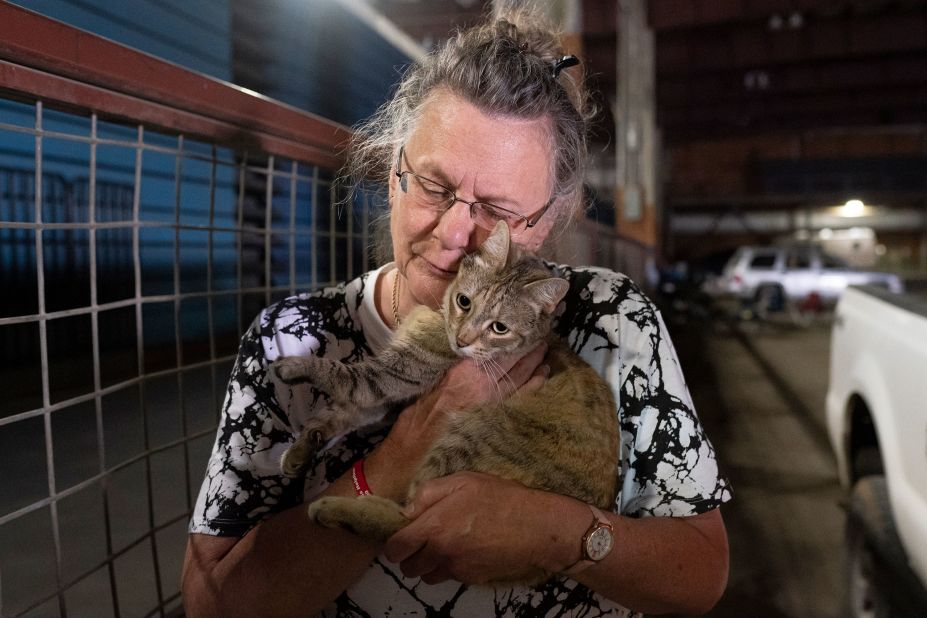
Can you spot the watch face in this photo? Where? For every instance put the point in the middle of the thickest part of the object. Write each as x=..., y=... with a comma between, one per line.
x=599, y=544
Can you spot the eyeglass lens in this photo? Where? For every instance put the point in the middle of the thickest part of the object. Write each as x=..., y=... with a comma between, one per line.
x=430, y=194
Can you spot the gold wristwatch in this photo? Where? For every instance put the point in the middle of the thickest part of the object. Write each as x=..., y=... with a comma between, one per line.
x=597, y=542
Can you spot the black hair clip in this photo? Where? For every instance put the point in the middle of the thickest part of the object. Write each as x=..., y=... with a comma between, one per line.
x=564, y=63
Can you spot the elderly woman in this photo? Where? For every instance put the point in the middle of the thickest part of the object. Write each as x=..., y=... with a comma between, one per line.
x=496, y=122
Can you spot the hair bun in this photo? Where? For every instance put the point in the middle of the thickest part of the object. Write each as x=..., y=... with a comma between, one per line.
x=530, y=31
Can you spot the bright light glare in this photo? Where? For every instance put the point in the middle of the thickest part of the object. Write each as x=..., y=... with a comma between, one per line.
x=853, y=208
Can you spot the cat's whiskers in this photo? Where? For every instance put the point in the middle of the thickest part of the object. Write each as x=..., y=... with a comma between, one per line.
x=490, y=370
x=495, y=370
x=437, y=301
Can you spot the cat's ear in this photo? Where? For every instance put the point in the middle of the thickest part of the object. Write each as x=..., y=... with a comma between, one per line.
x=548, y=292
x=495, y=249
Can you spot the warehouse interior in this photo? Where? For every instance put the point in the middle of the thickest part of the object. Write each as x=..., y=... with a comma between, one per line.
x=166, y=171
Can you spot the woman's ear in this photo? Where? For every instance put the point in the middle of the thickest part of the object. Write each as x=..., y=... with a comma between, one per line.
x=392, y=185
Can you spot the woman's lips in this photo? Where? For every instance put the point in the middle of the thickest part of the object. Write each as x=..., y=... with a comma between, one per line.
x=444, y=273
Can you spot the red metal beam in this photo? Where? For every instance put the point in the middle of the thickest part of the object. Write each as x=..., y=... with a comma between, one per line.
x=27, y=83
x=55, y=48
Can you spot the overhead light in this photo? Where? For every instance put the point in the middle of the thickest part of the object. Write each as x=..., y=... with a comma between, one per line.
x=853, y=208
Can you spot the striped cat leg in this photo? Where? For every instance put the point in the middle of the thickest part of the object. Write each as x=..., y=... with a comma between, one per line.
x=415, y=360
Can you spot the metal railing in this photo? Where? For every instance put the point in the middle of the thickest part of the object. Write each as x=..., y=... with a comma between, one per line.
x=147, y=213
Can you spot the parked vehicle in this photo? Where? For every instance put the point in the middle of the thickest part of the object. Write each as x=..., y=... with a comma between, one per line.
x=877, y=421
x=767, y=278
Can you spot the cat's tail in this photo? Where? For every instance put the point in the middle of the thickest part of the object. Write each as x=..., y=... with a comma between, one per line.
x=370, y=517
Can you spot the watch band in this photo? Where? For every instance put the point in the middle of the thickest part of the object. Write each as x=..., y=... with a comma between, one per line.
x=600, y=520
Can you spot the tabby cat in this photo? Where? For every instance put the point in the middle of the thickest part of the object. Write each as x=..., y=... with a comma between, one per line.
x=561, y=438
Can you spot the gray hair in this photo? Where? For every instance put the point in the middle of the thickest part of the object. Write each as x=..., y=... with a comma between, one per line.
x=503, y=67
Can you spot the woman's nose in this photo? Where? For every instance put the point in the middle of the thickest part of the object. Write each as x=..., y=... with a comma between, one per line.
x=455, y=228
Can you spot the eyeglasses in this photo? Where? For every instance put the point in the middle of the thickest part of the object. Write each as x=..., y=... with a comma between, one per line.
x=426, y=193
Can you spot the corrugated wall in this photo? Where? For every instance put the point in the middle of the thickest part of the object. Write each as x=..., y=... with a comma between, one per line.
x=196, y=35
x=315, y=55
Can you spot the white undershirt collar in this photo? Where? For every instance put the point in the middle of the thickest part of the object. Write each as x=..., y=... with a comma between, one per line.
x=376, y=331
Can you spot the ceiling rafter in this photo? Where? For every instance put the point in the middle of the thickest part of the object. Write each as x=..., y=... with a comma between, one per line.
x=668, y=15
x=746, y=65
x=829, y=76
x=755, y=46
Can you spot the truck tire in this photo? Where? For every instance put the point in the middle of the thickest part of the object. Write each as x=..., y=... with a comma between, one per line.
x=879, y=582
x=768, y=299
x=866, y=461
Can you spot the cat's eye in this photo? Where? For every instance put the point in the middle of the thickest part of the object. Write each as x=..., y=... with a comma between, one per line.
x=463, y=301
x=499, y=328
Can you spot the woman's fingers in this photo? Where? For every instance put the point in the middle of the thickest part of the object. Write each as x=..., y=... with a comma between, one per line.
x=536, y=381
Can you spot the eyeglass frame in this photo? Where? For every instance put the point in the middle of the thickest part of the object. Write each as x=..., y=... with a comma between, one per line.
x=529, y=223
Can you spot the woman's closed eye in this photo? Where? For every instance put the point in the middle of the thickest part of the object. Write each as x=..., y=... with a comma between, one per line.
x=437, y=193
x=432, y=190
x=490, y=211
x=489, y=215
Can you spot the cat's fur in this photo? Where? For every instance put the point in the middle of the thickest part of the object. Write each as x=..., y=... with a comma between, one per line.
x=561, y=438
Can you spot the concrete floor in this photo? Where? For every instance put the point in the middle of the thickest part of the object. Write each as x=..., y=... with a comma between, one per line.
x=761, y=398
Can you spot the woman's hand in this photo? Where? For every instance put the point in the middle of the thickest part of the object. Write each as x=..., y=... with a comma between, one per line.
x=391, y=466
x=476, y=528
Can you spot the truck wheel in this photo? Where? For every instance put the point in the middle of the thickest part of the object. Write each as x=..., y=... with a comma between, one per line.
x=873, y=548
x=768, y=299
x=866, y=461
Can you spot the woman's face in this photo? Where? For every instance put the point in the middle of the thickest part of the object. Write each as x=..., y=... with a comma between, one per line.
x=500, y=160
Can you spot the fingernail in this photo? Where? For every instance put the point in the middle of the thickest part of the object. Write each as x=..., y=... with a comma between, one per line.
x=546, y=370
x=408, y=510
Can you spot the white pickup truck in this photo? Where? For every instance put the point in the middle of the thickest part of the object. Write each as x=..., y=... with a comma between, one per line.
x=877, y=420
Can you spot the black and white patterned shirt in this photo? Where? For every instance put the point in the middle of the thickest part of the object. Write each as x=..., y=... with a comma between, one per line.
x=668, y=466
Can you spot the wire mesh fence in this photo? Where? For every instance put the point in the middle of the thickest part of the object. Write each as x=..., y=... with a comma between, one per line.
x=131, y=260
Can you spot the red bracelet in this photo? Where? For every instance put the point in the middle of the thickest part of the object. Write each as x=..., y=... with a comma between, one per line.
x=361, y=488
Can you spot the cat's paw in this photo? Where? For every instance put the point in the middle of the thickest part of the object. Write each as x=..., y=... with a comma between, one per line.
x=369, y=517
x=328, y=512
x=291, y=369
x=292, y=462
x=298, y=456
